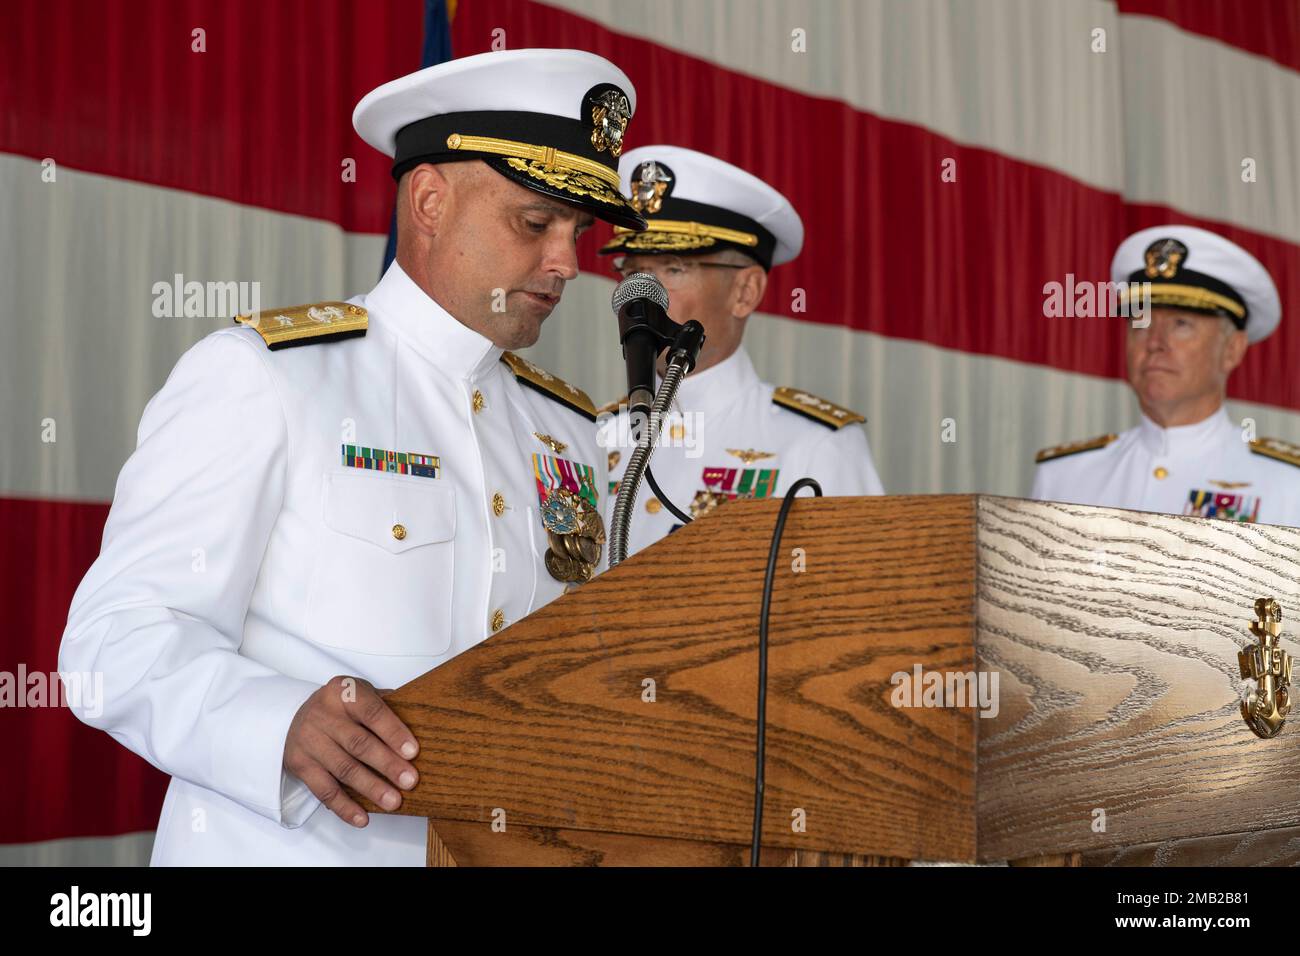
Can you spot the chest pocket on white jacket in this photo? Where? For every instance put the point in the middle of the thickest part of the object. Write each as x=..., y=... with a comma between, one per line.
x=384, y=574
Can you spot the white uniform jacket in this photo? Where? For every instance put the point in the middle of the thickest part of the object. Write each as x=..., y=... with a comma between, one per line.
x=1210, y=469
x=364, y=507
x=728, y=435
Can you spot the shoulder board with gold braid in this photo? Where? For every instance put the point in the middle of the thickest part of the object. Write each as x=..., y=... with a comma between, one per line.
x=306, y=324
x=549, y=385
x=1277, y=448
x=1073, y=448
x=818, y=409
x=611, y=408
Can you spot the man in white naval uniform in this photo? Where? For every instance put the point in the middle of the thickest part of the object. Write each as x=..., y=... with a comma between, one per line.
x=299, y=526
x=714, y=231
x=1210, y=299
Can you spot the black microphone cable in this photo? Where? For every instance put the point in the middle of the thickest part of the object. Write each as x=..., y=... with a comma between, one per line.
x=659, y=493
x=760, y=748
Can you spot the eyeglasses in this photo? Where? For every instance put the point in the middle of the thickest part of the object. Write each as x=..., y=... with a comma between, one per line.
x=1175, y=327
x=673, y=271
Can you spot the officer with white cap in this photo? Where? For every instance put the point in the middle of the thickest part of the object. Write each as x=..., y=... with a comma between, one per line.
x=1209, y=299
x=714, y=231
x=340, y=496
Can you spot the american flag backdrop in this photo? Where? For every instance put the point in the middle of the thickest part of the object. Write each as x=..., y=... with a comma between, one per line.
x=130, y=158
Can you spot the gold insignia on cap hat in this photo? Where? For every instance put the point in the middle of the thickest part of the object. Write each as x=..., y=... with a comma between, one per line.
x=1163, y=258
x=649, y=184
x=610, y=112
x=542, y=162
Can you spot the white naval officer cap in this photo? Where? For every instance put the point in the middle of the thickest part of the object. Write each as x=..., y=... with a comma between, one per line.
x=550, y=120
x=695, y=203
x=1196, y=269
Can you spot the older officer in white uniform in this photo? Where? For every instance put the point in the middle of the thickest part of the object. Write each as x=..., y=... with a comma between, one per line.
x=1210, y=299
x=372, y=502
x=714, y=232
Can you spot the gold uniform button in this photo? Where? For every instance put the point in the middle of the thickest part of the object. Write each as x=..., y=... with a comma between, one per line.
x=677, y=432
x=1160, y=473
x=498, y=620
x=653, y=506
x=478, y=401
x=498, y=504
x=399, y=531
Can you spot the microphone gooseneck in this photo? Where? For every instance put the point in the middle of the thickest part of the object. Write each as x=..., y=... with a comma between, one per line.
x=621, y=521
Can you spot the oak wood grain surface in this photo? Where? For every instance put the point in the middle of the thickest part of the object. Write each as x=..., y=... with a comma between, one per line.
x=473, y=844
x=1115, y=635
x=546, y=720
x=1250, y=848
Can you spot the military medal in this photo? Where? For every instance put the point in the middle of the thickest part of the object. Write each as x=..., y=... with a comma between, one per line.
x=560, y=512
x=705, y=502
x=560, y=568
x=570, y=511
x=723, y=484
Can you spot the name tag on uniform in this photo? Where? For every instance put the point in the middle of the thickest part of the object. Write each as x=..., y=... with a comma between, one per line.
x=392, y=462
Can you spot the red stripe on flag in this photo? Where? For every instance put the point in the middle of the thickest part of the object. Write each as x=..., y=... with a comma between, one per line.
x=66, y=779
x=263, y=117
x=1268, y=28
x=890, y=248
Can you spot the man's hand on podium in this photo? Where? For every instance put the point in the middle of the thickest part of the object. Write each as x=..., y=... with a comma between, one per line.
x=339, y=736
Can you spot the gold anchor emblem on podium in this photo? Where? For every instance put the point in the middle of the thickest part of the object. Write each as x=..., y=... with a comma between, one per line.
x=1266, y=707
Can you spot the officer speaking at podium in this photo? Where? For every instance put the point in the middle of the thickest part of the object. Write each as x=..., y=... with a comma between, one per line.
x=340, y=496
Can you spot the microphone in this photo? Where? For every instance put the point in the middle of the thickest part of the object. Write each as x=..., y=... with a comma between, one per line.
x=641, y=304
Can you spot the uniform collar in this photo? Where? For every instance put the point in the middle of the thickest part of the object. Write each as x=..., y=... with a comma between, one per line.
x=402, y=306
x=1185, y=440
x=718, y=385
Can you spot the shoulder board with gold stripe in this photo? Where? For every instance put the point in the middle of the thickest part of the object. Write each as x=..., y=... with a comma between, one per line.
x=306, y=324
x=1073, y=448
x=529, y=374
x=1277, y=448
x=818, y=409
x=611, y=408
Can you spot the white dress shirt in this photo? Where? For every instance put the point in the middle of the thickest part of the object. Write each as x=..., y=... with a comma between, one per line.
x=724, y=438
x=1207, y=469
x=245, y=561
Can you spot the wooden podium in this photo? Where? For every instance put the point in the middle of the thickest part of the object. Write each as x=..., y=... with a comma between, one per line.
x=616, y=725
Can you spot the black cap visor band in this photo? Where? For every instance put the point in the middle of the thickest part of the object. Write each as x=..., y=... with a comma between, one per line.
x=426, y=141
